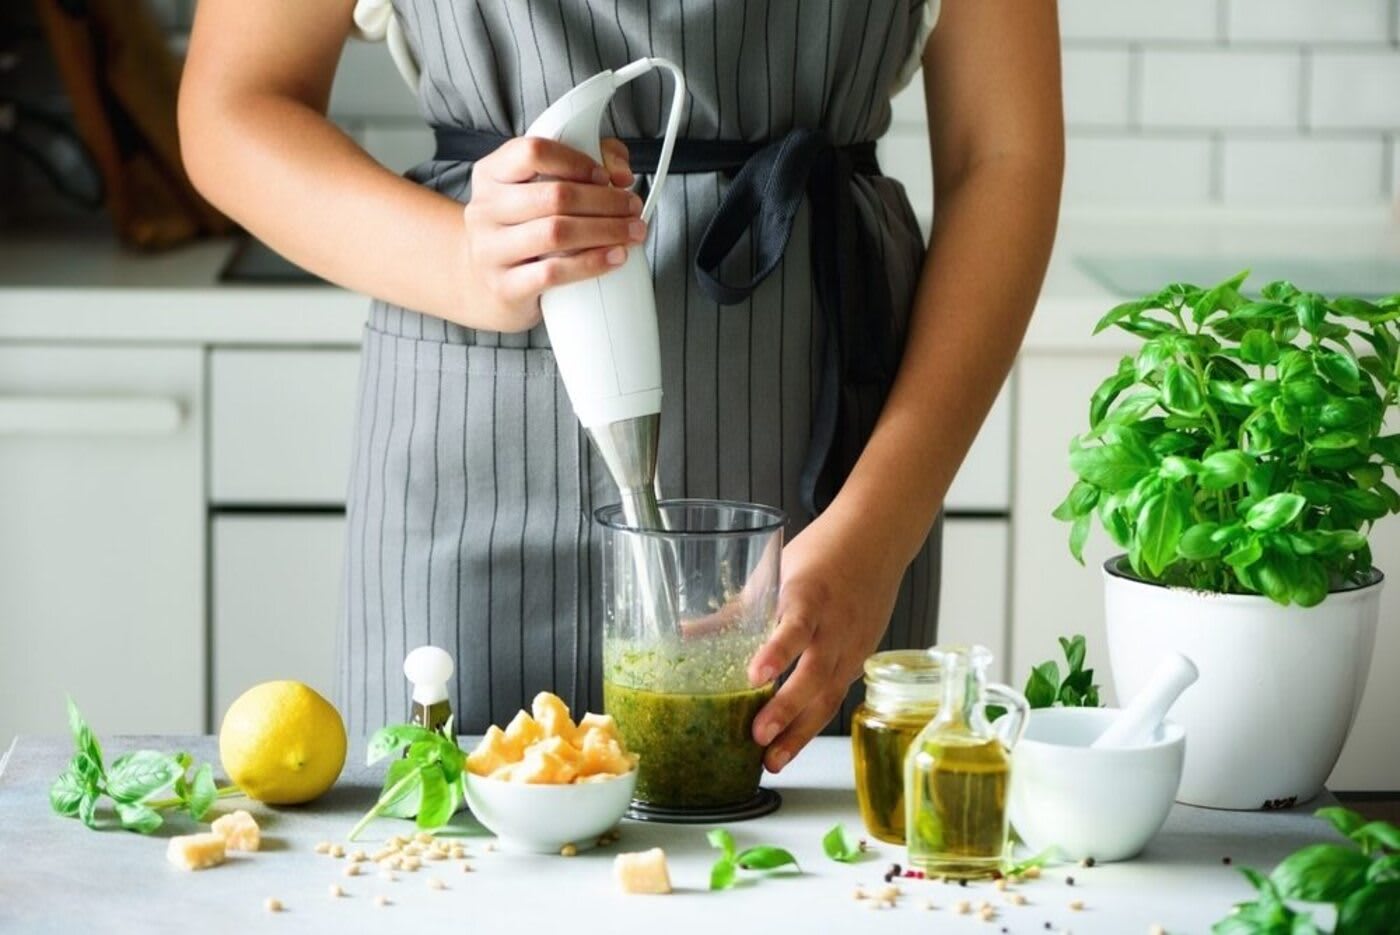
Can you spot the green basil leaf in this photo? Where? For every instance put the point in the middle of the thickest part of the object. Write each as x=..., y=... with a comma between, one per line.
x=1018, y=868
x=1078, y=502
x=137, y=817
x=1043, y=686
x=765, y=857
x=1074, y=648
x=1181, y=391
x=1378, y=834
x=723, y=840
x=1373, y=908
x=1274, y=512
x=1160, y=524
x=435, y=805
x=1274, y=578
x=87, y=807
x=1227, y=392
x=1245, y=553
x=1367, y=475
x=1331, y=441
x=1321, y=873
x=1366, y=503
x=1175, y=467
x=835, y=845
x=1312, y=312
x=1258, y=347
x=66, y=794
x=1340, y=369
x=1344, y=412
x=137, y=775
x=1110, y=467
x=203, y=793
x=1078, y=535
x=723, y=874
x=389, y=741
x=1388, y=447
x=1120, y=312
x=1287, y=416
x=1384, y=869
x=1198, y=542
x=83, y=738
x=405, y=802
x=1223, y=469
x=1108, y=391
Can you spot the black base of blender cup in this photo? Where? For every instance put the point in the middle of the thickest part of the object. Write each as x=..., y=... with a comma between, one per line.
x=765, y=802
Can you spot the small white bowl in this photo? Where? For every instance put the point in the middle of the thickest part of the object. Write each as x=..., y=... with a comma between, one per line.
x=1104, y=804
x=541, y=819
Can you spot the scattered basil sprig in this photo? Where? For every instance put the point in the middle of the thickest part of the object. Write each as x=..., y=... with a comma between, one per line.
x=426, y=781
x=1239, y=450
x=838, y=847
x=1019, y=867
x=1361, y=878
x=1044, y=689
x=724, y=873
x=131, y=782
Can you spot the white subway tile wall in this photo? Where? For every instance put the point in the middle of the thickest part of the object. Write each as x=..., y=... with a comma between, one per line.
x=1284, y=102
x=1306, y=172
x=1149, y=170
x=1220, y=88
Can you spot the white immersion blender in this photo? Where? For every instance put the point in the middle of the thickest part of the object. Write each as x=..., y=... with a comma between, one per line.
x=604, y=332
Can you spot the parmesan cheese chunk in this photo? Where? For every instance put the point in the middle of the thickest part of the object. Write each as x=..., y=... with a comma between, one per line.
x=196, y=851
x=643, y=872
x=239, y=831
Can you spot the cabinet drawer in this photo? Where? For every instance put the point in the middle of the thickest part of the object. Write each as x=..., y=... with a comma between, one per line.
x=101, y=538
x=276, y=602
x=972, y=600
x=983, y=483
x=280, y=425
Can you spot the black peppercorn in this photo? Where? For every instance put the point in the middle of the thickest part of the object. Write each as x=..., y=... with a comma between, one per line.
x=1088, y=861
x=962, y=883
x=1225, y=861
x=1069, y=880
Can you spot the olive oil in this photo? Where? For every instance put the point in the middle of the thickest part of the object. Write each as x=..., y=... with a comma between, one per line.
x=879, y=746
x=901, y=696
x=957, y=812
x=958, y=771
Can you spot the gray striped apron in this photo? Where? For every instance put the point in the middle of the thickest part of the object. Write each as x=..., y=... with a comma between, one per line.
x=472, y=488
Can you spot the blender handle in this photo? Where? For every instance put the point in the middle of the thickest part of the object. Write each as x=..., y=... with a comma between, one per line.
x=673, y=120
x=1009, y=728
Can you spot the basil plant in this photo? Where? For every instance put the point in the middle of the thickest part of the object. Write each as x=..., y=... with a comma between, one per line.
x=1240, y=450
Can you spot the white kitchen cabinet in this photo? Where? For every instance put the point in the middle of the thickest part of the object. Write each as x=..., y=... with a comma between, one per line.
x=1051, y=595
x=101, y=538
x=276, y=601
x=972, y=605
x=983, y=482
x=281, y=425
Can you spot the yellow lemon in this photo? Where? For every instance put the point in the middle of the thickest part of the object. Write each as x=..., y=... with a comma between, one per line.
x=282, y=743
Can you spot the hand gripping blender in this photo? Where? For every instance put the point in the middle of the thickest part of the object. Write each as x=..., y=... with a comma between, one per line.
x=604, y=332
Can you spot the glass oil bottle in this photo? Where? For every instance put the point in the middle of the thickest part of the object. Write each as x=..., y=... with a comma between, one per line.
x=958, y=771
x=901, y=696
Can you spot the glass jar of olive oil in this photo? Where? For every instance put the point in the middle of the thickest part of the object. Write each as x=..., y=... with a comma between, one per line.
x=901, y=696
x=958, y=771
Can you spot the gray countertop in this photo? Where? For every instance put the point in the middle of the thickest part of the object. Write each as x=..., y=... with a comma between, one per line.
x=57, y=876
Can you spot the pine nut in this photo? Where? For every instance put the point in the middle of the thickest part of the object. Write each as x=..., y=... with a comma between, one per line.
x=436, y=884
x=335, y=890
x=568, y=850
x=352, y=870
x=381, y=900
x=1076, y=904
x=272, y=905
x=323, y=847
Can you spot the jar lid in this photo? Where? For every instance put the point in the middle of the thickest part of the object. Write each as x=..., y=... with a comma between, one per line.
x=911, y=674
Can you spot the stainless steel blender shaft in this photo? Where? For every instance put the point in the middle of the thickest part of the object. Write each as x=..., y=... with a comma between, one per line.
x=628, y=448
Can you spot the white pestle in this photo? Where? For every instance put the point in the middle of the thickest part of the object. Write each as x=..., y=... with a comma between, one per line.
x=1136, y=723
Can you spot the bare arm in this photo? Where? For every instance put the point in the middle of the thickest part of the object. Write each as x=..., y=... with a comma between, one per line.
x=257, y=143
x=992, y=80
x=992, y=85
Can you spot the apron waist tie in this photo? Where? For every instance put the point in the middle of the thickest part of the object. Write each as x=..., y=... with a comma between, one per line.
x=770, y=180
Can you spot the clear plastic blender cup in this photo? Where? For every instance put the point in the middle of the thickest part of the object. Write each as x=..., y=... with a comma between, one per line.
x=679, y=689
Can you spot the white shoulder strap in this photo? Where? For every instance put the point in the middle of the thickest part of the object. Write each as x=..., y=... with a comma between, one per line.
x=375, y=21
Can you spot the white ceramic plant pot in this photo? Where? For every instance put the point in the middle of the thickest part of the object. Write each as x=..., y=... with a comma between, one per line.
x=1278, y=689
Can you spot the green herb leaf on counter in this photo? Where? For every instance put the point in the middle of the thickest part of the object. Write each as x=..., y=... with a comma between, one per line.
x=130, y=783
x=1016, y=868
x=426, y=782
x=1361, y=878
x=838, y=848
x=724, y=872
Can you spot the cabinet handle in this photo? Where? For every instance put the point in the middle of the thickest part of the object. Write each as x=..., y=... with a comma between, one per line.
x=89, y=415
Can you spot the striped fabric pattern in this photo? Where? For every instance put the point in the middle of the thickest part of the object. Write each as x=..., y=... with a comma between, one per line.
x=472, y=487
